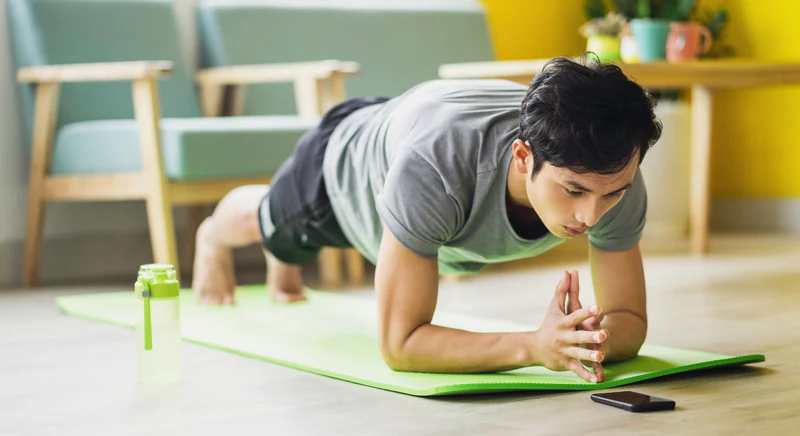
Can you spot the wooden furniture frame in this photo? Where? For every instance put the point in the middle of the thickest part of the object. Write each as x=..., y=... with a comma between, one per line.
x=318, y=86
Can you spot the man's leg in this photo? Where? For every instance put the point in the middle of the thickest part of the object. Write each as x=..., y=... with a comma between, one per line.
x=235, y=223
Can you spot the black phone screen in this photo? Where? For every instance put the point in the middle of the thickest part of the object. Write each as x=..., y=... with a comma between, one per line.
x=633, y=401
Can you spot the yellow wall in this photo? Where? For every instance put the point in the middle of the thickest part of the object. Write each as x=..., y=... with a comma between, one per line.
x=529, y=29
x=756, y=151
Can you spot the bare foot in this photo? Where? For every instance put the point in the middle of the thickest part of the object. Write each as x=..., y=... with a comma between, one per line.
x=214, y=280
x=284, y=281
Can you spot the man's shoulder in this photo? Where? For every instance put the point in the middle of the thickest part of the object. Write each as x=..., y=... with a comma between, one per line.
x=440, y=108
x=465, y=91
x=458, y=127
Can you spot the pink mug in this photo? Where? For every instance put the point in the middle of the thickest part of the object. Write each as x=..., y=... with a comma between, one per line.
x=683, y=42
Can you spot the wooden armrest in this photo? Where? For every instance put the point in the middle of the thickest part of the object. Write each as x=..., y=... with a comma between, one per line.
x=94, y=72
x=266, y=73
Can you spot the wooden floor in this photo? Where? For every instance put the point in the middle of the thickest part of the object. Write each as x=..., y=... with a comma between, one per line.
x=60, y=375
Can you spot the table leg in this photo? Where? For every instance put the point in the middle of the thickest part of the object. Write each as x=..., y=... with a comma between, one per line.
x=702, y=106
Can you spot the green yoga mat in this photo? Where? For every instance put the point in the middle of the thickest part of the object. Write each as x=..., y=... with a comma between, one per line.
x=335, y=335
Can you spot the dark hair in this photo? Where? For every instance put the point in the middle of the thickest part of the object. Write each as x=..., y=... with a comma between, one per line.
x=586, y=116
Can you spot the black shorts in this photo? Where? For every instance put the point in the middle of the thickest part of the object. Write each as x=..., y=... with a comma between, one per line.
x=301, y=220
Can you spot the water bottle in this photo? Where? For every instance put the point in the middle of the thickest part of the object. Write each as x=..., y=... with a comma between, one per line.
x=158, y=328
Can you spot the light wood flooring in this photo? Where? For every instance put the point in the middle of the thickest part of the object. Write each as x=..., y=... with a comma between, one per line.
x=62, y=376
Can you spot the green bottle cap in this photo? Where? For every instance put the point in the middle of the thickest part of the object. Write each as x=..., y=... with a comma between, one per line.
x=155, y=281
x=161, y=280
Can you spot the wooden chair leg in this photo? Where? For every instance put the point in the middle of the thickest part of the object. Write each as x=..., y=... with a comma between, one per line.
x=33, y=236
x=330, y=266
x=355, y=266
x=46, y=113
x=314, y=97
x=162, y=231
x=159, y=204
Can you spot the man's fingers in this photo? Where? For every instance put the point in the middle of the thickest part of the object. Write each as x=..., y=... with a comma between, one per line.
x=593, y=323
x=561, y=293
x=600, y=317
x=575, y=318
x=581, y=371
x=574, y=288
x=580, y=353
x=588, y=336
x=597, y=367
x=599, y=371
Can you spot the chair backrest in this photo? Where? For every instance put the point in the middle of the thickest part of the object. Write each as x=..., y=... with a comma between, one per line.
x=49, y=32
x=399, y=43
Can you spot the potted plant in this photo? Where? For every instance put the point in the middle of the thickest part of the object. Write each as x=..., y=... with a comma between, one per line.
x=715, y=20
x=649, y=22
x=602, y=35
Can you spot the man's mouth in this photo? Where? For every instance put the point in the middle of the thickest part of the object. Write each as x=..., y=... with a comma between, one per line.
x=575, y=232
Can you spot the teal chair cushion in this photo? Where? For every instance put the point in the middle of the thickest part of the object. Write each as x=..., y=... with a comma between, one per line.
x=193, y=148
x=398, y=43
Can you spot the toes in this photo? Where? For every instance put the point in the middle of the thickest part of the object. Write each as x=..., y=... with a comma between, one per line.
x=216, y=299
x=210, y=300
x=285, y=297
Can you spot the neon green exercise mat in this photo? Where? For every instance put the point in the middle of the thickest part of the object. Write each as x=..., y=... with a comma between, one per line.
x=335, y=335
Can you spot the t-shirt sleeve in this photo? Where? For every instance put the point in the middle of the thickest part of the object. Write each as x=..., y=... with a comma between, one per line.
x=415, y=205
x=621, y=227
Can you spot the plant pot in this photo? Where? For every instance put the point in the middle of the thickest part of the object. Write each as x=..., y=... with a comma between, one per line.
x=627, y=50
x=606, y=47
x=651, y=38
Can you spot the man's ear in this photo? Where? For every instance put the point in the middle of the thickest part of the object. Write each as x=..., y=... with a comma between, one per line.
x=522, y=155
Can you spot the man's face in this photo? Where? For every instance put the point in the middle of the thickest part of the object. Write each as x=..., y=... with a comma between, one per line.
x=569, y=203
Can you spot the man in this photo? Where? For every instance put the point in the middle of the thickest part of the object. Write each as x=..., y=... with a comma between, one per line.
x=451, y=176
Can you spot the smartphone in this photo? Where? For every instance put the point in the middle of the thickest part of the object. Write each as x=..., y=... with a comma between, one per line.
x=633, y=401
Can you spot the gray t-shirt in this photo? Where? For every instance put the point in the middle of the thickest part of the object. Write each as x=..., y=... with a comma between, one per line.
x=432, y=166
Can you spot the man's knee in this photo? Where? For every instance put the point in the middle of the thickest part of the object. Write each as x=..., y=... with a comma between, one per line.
x=237, y=213
x=246, y=195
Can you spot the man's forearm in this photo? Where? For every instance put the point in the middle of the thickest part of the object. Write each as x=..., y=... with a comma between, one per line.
x=626, y=334
x=432, y=348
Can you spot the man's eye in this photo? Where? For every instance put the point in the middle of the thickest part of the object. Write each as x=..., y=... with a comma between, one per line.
x=616, y=194
x=573, y=193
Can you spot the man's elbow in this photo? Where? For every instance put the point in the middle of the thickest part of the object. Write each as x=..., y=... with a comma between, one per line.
x=396, y=363
x=627, y=350
x=623, y=355
x=395, y=354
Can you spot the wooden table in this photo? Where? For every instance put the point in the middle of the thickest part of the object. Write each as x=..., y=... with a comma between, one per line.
x=702, y=77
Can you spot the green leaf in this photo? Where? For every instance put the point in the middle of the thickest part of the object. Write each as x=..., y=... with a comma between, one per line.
x=626, y=7
x=594, y=9
x=644, y=9
x=674, y=10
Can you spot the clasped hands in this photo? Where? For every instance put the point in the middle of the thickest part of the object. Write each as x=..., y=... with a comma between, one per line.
x=570, y=336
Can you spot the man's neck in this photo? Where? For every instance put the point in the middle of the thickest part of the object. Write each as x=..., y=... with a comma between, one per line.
x=515, y=188
x=521, y=215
